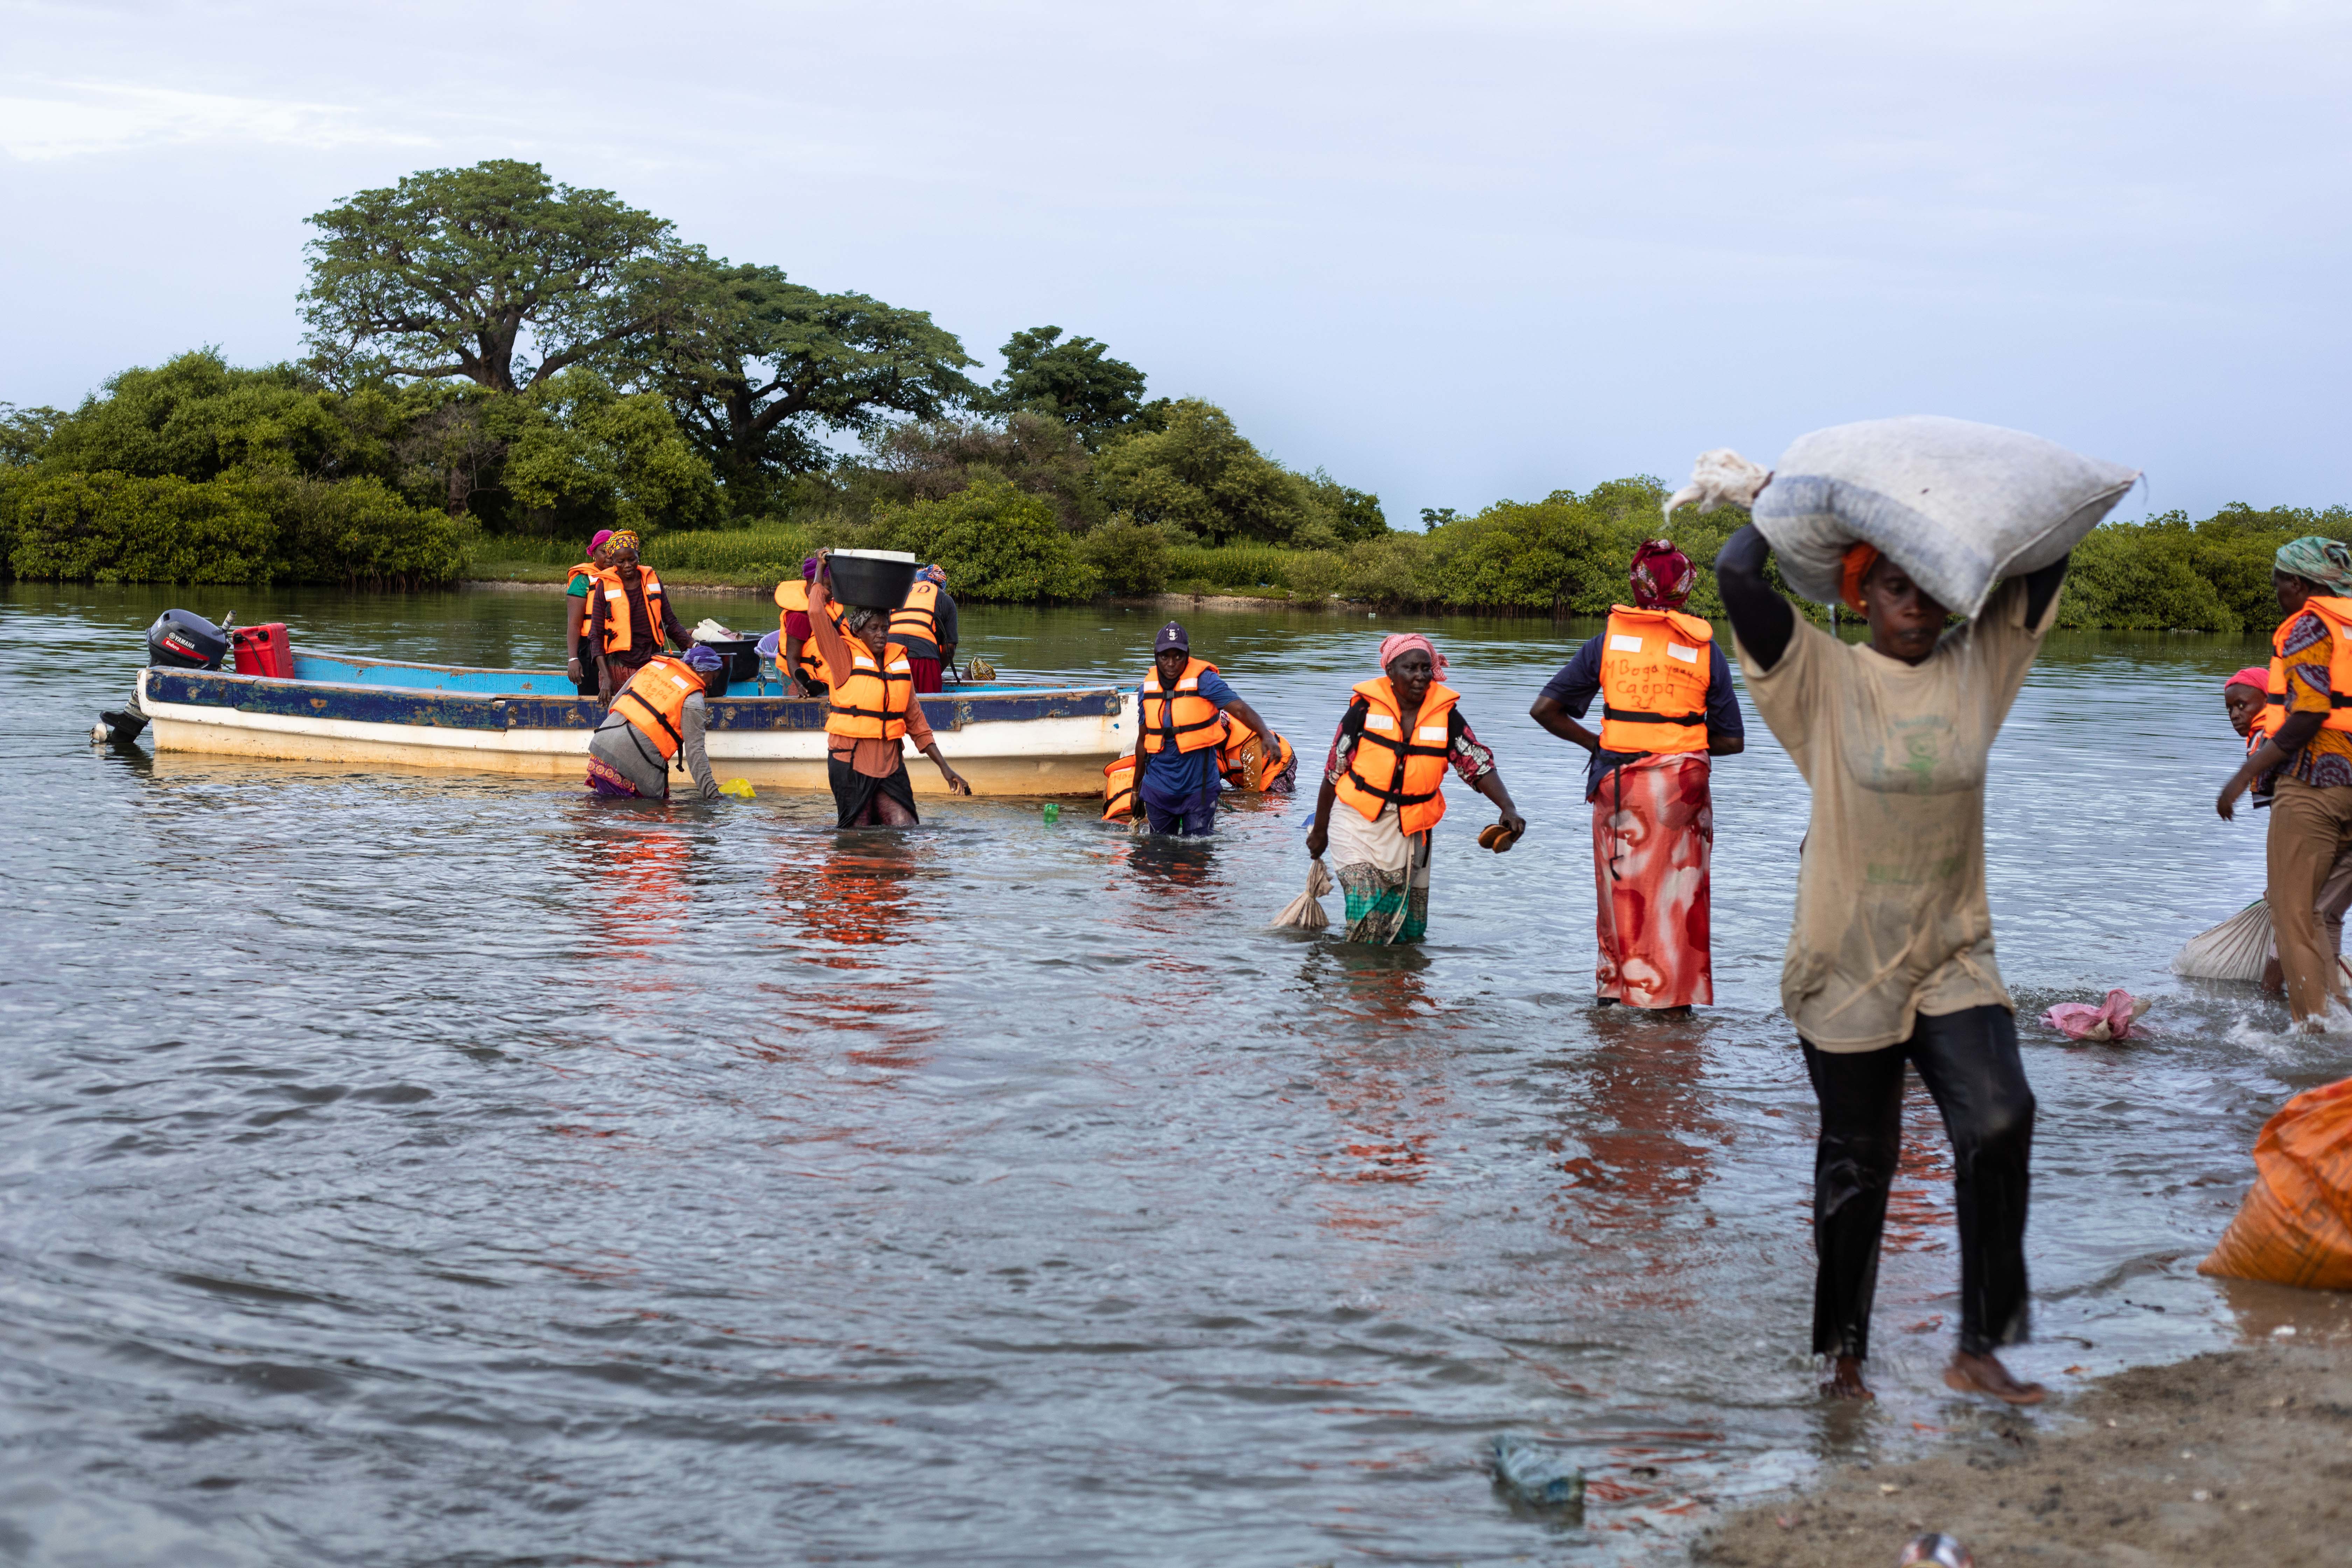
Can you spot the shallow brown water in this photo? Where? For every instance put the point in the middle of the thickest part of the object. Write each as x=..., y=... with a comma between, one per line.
x=423, y=1168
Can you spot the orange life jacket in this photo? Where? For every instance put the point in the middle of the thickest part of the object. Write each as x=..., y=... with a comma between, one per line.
x=1118, y=788
x=619, y=634
x=586, y=569
x=791, y=594
x=655, y=702
x=916, y=623
x=1240, y=749
x=1190, y=719
x=2337, y=614
x=1390, y=766
x=869, y=703
x=1654, y=676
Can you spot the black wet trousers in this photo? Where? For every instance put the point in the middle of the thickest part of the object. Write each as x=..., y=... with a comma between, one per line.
x=1968, y=1062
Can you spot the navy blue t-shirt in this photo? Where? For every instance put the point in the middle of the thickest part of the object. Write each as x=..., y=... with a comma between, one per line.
x=1578, y=682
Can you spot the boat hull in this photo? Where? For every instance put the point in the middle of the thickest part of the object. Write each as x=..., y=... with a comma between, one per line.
x=1004, y=742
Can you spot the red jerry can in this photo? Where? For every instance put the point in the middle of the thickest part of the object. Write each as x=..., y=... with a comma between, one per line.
x=264, y=650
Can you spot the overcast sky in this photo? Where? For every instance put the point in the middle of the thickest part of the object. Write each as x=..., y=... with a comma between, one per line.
x=1451, y=253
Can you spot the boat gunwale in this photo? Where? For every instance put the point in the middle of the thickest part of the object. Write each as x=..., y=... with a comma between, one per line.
x=421, y=707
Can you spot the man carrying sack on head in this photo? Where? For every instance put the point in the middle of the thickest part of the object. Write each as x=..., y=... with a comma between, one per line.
x=1667, y=705
x=1890, y=962
x=2310, y=753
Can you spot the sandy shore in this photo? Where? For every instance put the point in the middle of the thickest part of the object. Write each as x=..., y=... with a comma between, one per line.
x=2239, y=1457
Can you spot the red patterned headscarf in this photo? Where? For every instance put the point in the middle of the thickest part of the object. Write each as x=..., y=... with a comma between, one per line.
x=1662, y=575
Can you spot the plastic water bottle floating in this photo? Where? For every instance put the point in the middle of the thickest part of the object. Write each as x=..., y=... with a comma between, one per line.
x=1052, y=811
x=1534, y=1475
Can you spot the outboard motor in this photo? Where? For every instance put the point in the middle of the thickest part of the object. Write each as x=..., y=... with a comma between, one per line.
x=180, y=640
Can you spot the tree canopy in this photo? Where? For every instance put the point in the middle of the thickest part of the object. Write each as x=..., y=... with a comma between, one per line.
x=758, y=369
x=1202, y=475
x=1075, y=382
x=522, y=356
x=471, y=273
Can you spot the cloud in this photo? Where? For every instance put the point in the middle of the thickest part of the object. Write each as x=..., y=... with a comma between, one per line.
x=66, y=120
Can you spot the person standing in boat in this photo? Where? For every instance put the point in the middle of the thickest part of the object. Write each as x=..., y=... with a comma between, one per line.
x=1666, y=706
x=1181, y=735
x=874, y=711
x=925, y=626
x=657, y=715
x=581, y=657
x=629, y=618
x=797, y=660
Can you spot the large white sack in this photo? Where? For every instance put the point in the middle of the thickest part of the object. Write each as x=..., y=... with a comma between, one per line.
x=1958, y=505
x=2237, y=949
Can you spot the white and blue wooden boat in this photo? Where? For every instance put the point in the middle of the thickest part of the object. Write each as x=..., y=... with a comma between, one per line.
x=1005, y=740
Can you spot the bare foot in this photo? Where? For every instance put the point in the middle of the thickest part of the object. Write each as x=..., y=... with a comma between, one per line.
x=1674, y=1012
x=1985, y=1375
x=1845, y=1380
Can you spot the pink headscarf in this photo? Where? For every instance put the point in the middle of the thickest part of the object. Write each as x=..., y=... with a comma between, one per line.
x=2254, y=675
x=1405, y=642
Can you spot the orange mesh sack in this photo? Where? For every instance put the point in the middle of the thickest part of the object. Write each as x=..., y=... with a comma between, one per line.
x=2295, y=1227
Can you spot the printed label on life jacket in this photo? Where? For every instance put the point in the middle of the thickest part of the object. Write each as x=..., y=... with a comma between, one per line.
x=1619, y=643
x=1429, y=732
x=1687, y=655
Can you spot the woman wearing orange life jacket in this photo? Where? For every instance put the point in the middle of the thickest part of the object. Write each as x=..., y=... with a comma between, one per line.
x=580, y=659
x=1667, y=706
x=629, y=616
x=874, y=713
x=656, y=718
x=797, y=660
x=2245, y=698
x=1180, y=738
x=925, y=626
x=1385, y=777
x=2310, y=755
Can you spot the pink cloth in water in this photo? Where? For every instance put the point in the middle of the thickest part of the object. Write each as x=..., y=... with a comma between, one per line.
x=2110, y=1020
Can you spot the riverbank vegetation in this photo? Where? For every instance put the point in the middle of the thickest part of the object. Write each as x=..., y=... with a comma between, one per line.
x=500, y=365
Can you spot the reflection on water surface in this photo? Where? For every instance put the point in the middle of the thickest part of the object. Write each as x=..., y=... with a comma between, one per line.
x=409, y=1167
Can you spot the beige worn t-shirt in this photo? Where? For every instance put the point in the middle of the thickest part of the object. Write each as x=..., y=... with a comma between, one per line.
x=1891, y=917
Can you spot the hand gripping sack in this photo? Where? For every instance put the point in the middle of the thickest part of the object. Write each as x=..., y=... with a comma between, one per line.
x=1958, y=506
x=2295, y=1227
